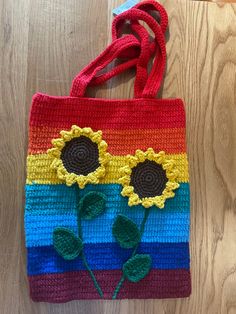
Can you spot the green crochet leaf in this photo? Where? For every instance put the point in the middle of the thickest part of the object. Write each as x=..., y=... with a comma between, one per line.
x=66, y=243
x=92, y=205
x=137, y=267
x=126, y=232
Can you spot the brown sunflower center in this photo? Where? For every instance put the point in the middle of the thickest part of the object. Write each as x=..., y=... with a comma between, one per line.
x=80, y=156
x=148, y=179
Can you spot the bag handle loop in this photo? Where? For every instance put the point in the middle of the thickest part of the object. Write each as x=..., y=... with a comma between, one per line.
x=134, y=61
x=134, y=52
x=82, y=80
x=146, y=53
x=146, y=86
x=154, y=80
x=148, y=7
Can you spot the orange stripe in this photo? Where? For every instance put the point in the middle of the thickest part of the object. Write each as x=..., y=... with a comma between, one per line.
x=120, y=142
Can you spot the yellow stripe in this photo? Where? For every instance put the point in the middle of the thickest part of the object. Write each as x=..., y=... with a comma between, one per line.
x=39, y=170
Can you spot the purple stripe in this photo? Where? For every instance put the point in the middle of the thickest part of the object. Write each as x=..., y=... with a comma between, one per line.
x=58, y=288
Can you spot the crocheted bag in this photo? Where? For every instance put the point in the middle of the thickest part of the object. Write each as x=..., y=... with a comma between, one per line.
x=107, y=193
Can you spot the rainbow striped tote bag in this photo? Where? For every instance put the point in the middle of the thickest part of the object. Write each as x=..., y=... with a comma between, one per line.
x=107, y=194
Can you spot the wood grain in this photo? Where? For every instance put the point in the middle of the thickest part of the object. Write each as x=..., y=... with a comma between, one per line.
x=219, y=1
x=13, y=128
x=43, y=45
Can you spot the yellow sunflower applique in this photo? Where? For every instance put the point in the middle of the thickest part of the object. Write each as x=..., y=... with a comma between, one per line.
x=149, y=178
x=80, y=156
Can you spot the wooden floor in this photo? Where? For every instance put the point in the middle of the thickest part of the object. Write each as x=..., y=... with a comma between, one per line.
x=217, y=1
x=44, y=43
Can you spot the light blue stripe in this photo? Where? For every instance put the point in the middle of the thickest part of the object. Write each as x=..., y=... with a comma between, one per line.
x=159, y=228
x=48, y=207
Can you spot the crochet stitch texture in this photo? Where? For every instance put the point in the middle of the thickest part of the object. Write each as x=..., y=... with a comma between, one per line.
x=51, y=204
x=107, y=209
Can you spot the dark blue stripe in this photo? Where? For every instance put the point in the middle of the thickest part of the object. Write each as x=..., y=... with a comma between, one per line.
x=108, y=256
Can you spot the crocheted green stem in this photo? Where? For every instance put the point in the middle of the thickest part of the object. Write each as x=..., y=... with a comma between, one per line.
x=98, y=288
x=122, y=279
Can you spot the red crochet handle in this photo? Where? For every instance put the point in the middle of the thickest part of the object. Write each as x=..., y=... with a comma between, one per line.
x=135, y=61
x=145, y=85
x=113, y=51
x=149, y=7
x=147, y=47
x=86, y=75
x=134, y=52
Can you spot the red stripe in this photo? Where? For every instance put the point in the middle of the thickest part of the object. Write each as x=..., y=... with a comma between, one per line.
x=69, y=286
x=62, y=112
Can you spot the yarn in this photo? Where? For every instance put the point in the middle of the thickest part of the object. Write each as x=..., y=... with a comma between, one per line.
x=134, y=266
x=66, y=243
x=148, y=179
x=107, y=194
x=92, y=205
x=161, y=227
x=80, y=156
x=40, y=170
x=126, y=232
x=165, y=256
x=137, y=267
x=170, y=139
